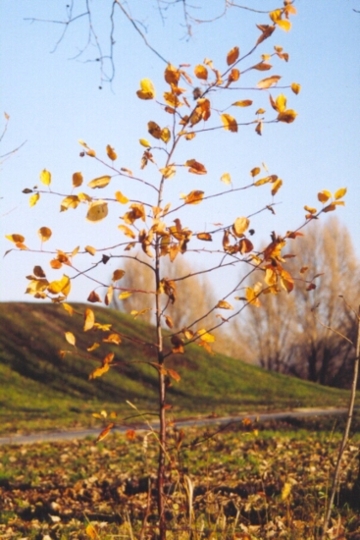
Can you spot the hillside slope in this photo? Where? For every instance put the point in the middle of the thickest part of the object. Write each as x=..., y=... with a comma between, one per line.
x=40, y=388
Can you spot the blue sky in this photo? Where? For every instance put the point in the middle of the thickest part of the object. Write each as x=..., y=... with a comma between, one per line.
x=53, y=102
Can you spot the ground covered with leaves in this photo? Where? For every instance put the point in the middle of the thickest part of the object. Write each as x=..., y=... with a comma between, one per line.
x=247, y=481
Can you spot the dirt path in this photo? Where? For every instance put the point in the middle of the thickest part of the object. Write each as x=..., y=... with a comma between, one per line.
x=83, y=433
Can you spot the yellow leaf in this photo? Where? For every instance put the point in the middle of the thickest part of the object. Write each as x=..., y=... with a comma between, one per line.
x=125, y=294
x=240, y=226
x=16, y=238
x=165, y=135
x=229, y=122
x=172, y=100
x=287, y=116
x=90, y=249
x=118, y=274
x=147, y=90
x=168, y=172
x=243, y=103
x=232, y=56
x=100, y=182
x=109, y=295
x=44, y=233
x=70, y=338
x=268, y=81
x=145, y=143
x=154, y=129
x=113, y=338
x=205, y=336
x=77, y=179
x=98, y=372
x=194, y=197
x=284, y=24
x=93, y=347
x=286, y=280
x=279, y=104
x=324, y=196
x=262, y=181
x=223, y=304
x=201, y=72
x=276, y=186
x=71, y=201
x=121, y=198
x=89, y=319
x=34, y=199
x=340, y=193
x=91, y=532
x=97, y=211
x=295, y=87
x=45, y=177
x=226, y=178
x=62, y=286
x=111, y=153
x=310, y=209
x=252, y=297
x=68, y=308
x=127, y=231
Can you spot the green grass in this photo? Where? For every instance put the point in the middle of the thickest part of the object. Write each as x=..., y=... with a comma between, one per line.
x=40, y=389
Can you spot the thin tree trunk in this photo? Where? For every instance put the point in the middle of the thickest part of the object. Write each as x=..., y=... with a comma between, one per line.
x=345, y=434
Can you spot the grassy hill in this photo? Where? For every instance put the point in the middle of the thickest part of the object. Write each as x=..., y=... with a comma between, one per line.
x=41, y=389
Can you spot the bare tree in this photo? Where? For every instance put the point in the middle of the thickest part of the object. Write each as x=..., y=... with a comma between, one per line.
x=286, y=335
x=87, y=17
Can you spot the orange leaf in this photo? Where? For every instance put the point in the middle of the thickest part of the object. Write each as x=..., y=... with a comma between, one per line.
x=111, y=153
x=324, y=196
x=174, y=375
x=195, y=167
x=204, y=236
x=77, y=179
x=232, y=56
x=154, y=129
x=262, y=66
x=201, y=72
x=194, y=197
x=242, y=103
x=287, y=116
x=295, y=87
x=105, y=432
x=44, y=233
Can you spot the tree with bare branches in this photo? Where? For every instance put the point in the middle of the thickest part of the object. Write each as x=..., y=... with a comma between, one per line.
x=287, y=335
